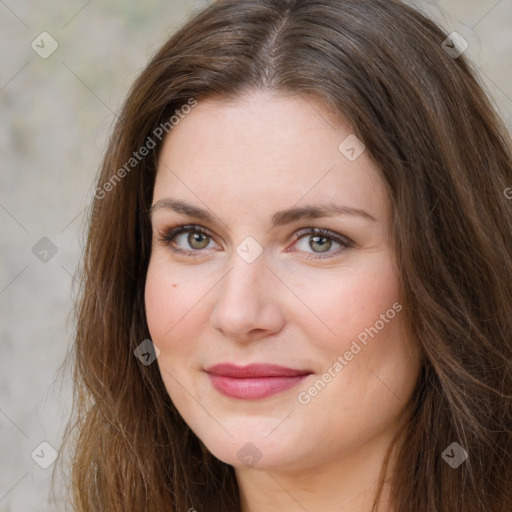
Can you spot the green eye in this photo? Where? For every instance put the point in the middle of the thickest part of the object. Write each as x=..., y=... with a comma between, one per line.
x=198, y=240
x=318, y=242
x=314, y=243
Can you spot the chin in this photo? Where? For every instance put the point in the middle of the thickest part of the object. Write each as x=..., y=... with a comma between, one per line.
x=254, y=451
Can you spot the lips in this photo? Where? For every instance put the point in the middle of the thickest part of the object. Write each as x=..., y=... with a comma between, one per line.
x=254, y=381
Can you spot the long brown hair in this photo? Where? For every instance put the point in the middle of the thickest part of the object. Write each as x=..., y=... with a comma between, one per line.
x=445, y=159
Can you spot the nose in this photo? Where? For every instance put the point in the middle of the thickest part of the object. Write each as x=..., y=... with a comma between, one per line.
x=247, y=306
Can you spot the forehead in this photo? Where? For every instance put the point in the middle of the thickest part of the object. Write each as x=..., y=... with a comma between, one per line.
x=263, y=150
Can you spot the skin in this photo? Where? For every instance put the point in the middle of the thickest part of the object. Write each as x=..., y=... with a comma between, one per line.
x=294, y=305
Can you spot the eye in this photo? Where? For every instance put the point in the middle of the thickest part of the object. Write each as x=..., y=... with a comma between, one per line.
x=186, y=239
x=320, y=242
x=315, y=243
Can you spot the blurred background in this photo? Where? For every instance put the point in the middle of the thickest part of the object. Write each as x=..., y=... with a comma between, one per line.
x=65, y=68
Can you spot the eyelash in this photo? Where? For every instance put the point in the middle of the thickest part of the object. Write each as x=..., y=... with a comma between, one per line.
x=167, y=235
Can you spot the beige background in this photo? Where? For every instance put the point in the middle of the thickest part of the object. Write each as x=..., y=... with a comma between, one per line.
x=55, y=117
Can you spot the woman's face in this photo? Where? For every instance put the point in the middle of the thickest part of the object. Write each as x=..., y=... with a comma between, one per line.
x=253, y=281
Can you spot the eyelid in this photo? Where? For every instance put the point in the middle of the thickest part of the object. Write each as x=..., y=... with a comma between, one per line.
x=166, y=236
x=343, y=241
x=338, y=237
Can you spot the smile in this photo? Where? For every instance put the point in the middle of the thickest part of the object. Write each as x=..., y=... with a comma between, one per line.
x=255, y=381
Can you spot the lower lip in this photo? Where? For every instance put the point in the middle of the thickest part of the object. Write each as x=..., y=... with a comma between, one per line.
x=253, y=388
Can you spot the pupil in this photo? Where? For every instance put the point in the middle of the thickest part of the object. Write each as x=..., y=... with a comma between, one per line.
x=323, y=242
x=197, y=240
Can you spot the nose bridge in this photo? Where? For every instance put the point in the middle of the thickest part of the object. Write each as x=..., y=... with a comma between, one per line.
x=244, y=299
x=243, y=282
x=248, y=268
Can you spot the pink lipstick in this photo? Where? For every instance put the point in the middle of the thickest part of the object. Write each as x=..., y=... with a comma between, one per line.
x=254, y=381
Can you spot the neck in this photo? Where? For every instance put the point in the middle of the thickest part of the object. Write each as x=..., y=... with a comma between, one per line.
x=348, y=483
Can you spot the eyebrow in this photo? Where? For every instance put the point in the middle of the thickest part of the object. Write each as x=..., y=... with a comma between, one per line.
x=279, y=218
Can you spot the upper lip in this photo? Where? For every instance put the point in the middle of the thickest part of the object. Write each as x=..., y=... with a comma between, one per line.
x=254, y=370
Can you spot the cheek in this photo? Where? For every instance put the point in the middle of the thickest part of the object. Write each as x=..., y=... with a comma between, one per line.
x=370, y=367
x=170, y=302
x=173, y=310
x=343, y=305
x=365, y=299
x=158, y=300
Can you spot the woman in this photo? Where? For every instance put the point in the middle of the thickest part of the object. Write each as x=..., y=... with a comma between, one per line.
x=298, y=276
